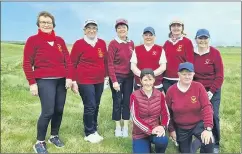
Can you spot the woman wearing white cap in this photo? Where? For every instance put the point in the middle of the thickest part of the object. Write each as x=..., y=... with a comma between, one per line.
x=178, y=49
x=88, y=56
x=120, y=76
x=209, y=71
x=148, y=55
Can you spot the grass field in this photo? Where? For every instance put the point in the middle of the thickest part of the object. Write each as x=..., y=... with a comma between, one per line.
x=20, y=111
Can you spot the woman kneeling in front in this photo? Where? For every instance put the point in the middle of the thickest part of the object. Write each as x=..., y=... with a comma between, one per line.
x=150, y=116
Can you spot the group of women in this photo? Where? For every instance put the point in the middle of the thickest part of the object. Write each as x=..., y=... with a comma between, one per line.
x=177, y=87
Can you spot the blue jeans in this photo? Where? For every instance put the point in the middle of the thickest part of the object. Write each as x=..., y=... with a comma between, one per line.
x=143, y=145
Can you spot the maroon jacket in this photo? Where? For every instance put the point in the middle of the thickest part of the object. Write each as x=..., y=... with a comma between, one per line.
x=147, y=113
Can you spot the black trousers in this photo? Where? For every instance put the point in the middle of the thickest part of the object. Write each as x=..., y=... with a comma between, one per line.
x=184, y=138
x=52, y=94
x=167, y=83
x=121, y=99
x=91, y=97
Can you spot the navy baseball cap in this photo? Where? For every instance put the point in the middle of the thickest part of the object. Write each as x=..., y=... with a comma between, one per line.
x=202, y=32
x=149, y=29
x=187, y=65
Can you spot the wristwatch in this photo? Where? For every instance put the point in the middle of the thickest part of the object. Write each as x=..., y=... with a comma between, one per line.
x=208, y=128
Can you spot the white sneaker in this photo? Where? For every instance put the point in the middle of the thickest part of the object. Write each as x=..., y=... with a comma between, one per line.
x=118, y=132
x=125, y=132
x=96, y=133
x=92, y=138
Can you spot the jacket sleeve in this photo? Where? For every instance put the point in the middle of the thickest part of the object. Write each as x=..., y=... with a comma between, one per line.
x=206, y=108
x=28, y=61
x=75, y=58
x=134, y=112
x=165, y=115
x=111, y=55
x=189, y=52
x=169, y=103
x=219, y=73
x=69, y=66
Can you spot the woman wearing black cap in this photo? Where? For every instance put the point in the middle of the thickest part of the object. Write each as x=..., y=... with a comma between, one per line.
x=120, y=76
x=150, y=116
x=191, y=111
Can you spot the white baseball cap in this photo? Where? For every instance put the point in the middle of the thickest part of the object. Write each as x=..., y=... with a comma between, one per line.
x=89, y=21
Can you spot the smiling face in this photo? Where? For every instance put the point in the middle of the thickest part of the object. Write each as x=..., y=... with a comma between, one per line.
x=149, y=38
x=186, y=76
x=91, y=31
x=202, y=41
x=122, y=30
x=45, y=24
x=176, y=29
x=147, y=82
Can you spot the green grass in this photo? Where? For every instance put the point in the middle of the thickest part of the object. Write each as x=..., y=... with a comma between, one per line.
x=20, y=111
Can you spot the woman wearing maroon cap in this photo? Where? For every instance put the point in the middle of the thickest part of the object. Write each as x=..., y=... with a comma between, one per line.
x=191, y=111
x=178, y=49
x=89, y=59
x=150, y=116
x=120, y=76
x=48, y=69
x=209, y=71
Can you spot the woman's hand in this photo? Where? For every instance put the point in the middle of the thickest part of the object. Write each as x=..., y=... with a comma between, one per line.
x=206, y=136
x=116, y=86
x=159, y=131
x=68, y=83
x=74, y=87
x=34, y=89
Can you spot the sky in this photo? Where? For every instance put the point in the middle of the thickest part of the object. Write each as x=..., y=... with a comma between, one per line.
x=222, y=19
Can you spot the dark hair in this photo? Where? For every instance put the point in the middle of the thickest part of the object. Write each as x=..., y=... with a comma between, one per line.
x=146, y=71
x=116, y=26
x=45, y=14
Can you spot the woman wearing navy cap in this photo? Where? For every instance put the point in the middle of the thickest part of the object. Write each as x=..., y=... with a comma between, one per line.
x=120, y=76
x=209, y=71
x=191, y=111
x=148, y=55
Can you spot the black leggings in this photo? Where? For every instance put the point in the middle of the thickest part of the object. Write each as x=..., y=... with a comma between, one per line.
x=52, y=94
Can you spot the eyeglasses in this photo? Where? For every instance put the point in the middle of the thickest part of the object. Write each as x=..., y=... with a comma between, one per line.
x=45, y=22
x=91, y=28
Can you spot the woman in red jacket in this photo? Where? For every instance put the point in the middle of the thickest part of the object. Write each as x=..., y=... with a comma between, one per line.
x=120, y=76
x=191, y=111
x=209, y=71
x=48, y=69
x=89, y=59
x=149, y=114
x=178, y=49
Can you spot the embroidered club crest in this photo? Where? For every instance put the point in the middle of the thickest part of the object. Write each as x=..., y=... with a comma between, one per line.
x=59, y=47
x=193, y=99
x=154, y=53
x=100, y=53
x=207, y=61
x=179, y=48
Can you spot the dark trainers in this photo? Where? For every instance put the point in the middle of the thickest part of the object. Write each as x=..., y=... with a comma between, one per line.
x=40, y=147
x=56, y=141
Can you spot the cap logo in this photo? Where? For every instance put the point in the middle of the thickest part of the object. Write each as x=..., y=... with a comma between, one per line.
x=179, y=48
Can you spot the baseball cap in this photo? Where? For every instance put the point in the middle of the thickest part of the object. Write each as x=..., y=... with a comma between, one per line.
x=202, y=32
x=187, y=65
x=176, y=21
x=149, y=29
x=121, y=21
x=146, y=71
x=89, y=21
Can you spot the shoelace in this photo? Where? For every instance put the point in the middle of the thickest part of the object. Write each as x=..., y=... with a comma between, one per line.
x=43, y=144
